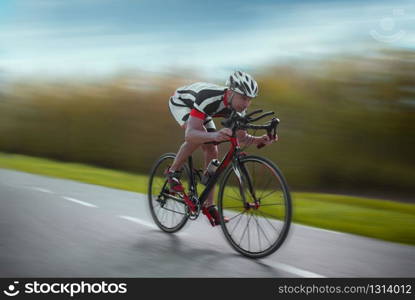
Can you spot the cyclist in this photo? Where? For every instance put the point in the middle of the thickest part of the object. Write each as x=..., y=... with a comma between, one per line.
x=193, y=107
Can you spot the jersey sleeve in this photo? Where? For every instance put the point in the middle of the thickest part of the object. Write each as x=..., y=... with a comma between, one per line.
x=208, y=101
x=200, y=106
x=198, y=114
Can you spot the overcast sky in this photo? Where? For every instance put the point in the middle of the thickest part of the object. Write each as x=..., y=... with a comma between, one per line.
x=54, y=37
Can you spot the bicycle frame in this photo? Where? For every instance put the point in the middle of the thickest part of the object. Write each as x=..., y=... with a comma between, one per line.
x=230, y=157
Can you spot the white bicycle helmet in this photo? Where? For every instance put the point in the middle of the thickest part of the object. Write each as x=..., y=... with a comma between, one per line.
x=242, y=83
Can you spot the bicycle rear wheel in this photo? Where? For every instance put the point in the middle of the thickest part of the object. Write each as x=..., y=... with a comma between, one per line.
x=259, y=209
x=168, y=212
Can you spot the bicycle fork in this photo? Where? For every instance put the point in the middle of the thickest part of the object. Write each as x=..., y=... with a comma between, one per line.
x=241, y=174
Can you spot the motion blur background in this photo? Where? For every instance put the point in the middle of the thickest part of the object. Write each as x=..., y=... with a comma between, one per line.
x=88, y=81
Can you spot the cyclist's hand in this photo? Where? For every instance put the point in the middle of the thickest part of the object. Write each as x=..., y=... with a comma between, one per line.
x=266, y=140
x=223, y=135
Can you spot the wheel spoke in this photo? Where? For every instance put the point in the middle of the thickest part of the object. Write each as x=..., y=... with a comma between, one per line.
x=249, y=236
x=269, y=222
x=267, y=214
x=237, y=215
x=273, y=204
x=172, y=215
x=237, y=199
x=263, y=232
x=264, y=188
x=237, y=193
x=237, y=223
x=247, y=225
x=257, y=228
x=270, y=193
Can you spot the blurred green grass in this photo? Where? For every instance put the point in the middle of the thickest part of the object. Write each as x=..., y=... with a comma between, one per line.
x=75, y=171
x=382, y=219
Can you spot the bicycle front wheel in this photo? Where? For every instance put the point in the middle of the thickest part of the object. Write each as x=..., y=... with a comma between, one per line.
x=259, y=208
x=169, y=212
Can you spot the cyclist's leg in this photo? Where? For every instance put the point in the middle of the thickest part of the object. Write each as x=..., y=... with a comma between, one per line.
x=181, y=115
x=186, y=149
x=210, y=152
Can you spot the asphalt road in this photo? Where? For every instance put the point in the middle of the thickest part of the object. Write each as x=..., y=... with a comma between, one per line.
x=61, y=228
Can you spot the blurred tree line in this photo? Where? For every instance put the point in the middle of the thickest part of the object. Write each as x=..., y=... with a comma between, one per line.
x=347, y=123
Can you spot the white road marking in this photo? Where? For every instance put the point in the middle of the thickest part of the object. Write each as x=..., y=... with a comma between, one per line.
x=79, y=202
x=294, y=270
x=138, y=221
x=147, y=224
x=41, y=190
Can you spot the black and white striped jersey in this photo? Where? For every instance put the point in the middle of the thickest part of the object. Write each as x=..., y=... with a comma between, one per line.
x=203, y=99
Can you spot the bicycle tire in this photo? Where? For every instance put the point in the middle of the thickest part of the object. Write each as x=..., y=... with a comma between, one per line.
x=224, y=200
x=157, y=178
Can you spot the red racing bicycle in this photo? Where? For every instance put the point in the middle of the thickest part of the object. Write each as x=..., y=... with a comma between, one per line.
x=253, y=194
